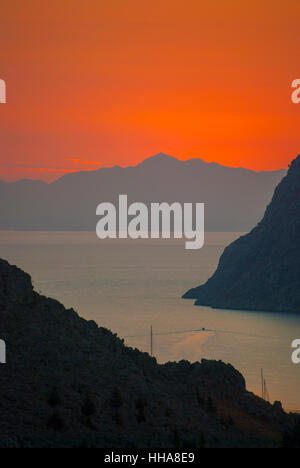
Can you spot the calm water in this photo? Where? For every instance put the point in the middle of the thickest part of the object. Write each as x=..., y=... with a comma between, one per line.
x=129, y=285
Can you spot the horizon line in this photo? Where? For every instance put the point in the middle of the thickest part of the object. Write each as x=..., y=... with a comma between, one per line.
x=162, y=155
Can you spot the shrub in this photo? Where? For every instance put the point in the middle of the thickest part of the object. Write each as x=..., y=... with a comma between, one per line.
x=88, y=407
x=116, y=401
x=210, y=405
x=291, y=439
x=140, y=406
x=54, y=398
x=56, y=422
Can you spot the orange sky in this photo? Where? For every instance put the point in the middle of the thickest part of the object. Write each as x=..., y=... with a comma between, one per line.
x=94, y=83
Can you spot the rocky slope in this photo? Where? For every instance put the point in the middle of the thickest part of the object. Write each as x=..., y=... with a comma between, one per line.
x=261, y=270
x=69, y=383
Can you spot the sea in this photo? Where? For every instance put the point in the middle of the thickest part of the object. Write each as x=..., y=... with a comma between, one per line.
x=129, y=286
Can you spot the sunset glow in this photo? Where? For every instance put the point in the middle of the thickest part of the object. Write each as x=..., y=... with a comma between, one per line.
x=95, y=83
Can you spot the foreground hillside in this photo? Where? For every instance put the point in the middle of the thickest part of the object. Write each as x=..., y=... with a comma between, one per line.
x=261, y=270
x=69, y=383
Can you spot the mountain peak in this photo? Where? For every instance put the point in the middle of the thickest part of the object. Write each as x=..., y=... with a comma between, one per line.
x=158, y=159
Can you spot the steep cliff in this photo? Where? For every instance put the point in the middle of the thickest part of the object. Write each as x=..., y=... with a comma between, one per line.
x=261, y=270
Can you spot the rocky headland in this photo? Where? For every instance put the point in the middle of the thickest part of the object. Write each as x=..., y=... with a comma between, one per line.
x=261, y=270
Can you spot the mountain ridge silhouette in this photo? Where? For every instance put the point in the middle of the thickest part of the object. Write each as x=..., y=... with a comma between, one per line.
x=235, y=197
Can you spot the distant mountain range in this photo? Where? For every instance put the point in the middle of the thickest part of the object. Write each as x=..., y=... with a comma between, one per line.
x=235, y=198
x=261, y=270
